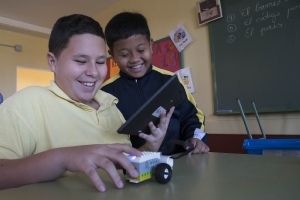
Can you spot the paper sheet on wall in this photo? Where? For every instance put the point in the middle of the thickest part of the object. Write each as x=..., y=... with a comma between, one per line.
x=180, y=37
x=185, y=75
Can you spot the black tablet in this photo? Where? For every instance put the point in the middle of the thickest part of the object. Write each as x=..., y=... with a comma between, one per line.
x=170, y=94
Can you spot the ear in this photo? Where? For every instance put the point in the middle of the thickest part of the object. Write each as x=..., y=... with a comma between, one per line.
x=51, y=59
x=151, y=43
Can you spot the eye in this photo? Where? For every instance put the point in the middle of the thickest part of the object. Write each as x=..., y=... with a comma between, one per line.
x=100, y=62
x=141, y=50
x=124, y=55
x=80, y=61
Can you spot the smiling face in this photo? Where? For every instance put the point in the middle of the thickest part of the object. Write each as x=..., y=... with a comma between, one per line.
x=81, y=67
x=133, y=55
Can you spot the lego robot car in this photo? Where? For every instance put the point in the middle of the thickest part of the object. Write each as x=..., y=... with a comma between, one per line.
x=151, y=164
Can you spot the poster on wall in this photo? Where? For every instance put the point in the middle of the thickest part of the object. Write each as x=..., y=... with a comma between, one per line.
x=112, y=68
x=208, y=10
x=165, y=55
x=186, y=77
x=180, y=37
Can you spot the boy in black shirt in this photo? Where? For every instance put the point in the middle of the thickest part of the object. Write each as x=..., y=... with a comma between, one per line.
x=128, y=38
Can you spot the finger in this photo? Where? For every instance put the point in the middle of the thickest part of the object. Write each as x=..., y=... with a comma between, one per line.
x=93, y=175
x=125, y=148
x=193, y=141
x=208, y=149
x=205, y=148
x=123, y=161
x=107, y=165
x=196, y=145
x=169, y=115
x=165, y=117
x=201, y=148
x=170, y=112
x=197, y=150
x=152, y=128
x=145, y=136
x=162, y=119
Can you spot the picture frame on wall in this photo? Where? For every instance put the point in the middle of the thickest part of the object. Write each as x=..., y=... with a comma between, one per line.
x=208, y=10
x=166, y=55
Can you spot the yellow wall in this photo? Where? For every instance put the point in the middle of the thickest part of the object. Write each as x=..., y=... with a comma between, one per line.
x=33, y=55
x=27, y=77
x=163, y=16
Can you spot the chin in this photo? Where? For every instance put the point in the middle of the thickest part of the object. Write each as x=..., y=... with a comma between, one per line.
x=137, y=75
x=88, y=98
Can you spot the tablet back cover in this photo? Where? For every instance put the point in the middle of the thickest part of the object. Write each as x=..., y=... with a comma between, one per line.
x=170, y=94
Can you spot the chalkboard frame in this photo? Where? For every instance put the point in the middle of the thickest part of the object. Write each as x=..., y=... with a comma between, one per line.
x=249, y=109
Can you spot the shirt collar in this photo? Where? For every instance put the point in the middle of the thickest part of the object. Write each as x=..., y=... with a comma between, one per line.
x=104, y=99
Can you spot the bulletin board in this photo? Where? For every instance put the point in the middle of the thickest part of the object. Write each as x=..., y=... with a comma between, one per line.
x=166, y=56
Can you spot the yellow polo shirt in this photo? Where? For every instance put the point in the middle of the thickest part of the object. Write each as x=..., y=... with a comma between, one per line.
x=37, y=119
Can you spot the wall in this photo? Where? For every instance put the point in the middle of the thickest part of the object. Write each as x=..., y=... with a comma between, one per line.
x=33, y=55
x=163, y=16
x=28, y=77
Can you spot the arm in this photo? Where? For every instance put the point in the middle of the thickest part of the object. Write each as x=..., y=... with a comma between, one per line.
x=49, y=165
x=192, y=124
x=154, y=140
x=21, y=166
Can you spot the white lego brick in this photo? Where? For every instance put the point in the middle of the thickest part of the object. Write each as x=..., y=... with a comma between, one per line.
x=146, y=155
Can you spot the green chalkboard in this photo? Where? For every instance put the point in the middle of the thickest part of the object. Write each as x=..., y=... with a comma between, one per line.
x=255, y=53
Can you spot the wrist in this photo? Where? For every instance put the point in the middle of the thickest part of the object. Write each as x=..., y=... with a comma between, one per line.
x=199, y=134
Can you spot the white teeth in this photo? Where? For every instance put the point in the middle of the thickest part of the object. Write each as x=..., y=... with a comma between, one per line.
x=88, y=84
x=136, y=67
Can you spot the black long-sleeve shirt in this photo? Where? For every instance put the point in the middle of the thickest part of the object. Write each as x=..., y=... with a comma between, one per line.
x=133, y=93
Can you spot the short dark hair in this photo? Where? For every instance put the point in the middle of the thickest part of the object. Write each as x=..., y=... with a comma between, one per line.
x=125, y=25
x=68, y=26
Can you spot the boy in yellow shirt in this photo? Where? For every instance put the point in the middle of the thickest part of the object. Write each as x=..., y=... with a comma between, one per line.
x=70, y=125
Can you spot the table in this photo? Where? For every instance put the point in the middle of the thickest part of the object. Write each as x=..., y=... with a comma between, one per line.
x=211, y=176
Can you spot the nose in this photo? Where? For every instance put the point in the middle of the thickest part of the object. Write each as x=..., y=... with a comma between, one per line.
x=134, y=57
x=91, y=70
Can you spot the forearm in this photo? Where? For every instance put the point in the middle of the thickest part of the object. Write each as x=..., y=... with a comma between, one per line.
x=37, y=168
x=191, y=117
x=190, y=126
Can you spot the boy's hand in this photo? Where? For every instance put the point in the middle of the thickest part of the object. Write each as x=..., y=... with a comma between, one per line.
x=200, y=147
x=48, y=165
x=154, y=140
x=88, y=158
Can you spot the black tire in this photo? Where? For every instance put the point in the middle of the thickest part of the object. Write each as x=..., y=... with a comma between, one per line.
x=163, y=173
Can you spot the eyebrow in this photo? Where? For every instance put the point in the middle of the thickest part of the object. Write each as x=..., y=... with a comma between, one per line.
x=104, y=57
x=84, y=55
x=141, y=44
